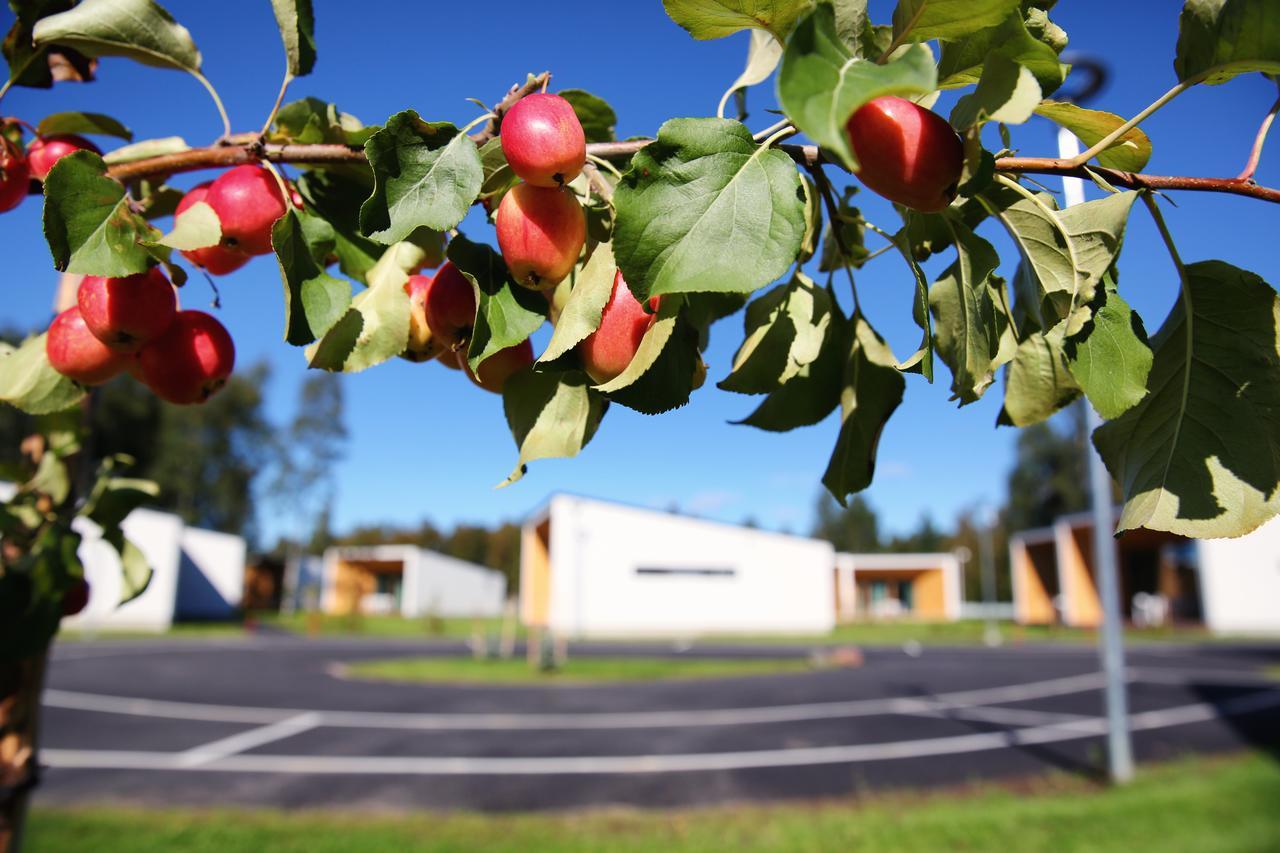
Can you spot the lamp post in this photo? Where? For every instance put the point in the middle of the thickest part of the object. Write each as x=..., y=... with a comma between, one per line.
x=1111, y=647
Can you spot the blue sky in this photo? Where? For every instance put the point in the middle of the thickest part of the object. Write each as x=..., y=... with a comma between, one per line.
x=425, y=443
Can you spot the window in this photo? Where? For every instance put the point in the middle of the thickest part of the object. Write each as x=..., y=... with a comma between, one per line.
x=651, y=571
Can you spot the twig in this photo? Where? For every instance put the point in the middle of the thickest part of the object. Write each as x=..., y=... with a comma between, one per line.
x=1256, y=154
x=529, y=87
x=807, y=156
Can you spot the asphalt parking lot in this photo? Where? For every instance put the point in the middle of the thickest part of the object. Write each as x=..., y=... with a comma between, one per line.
x=265, y=721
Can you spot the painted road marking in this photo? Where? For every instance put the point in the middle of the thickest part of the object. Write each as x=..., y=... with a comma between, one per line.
x=629, y=764
x=237, y=743
x=584, y=720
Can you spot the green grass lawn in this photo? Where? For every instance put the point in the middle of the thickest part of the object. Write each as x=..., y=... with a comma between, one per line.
x=575, y=670
x=1202, y=805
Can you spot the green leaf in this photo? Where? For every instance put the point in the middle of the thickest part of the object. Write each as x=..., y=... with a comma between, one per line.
x=594, y=114
x=135, y=571
x=814, y=392
x=1200, y=455
x=713, y=19
x=140, y=30
x=426, y=175
x=1110, y=357
x=873, y=389
x=923, y=20
x=146, y=149
x=822, y=83
x=195, y=228
x=704, y=208
x=1067, y=250
x=310, y=121
x=314, y=300
x=853, y=231
x=552, y=415
x=970, y=320
x=922, y=360
x=29, y=382
x=297, y=22
x=113, y=498
x=498, y=177
x=93, y=124
x=963, y=60
x=28, y=64
x=335, y=197
x=1008, y=93
x=1038, y=382
x=1129, y=153
x=376, y=326
x=88, y=223
x=580, y=316
x=764, y=52
x=785, y=329
x=1218, y=39
x=506, y=313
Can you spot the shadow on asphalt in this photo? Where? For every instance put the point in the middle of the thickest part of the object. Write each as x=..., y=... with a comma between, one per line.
x=1259, y=729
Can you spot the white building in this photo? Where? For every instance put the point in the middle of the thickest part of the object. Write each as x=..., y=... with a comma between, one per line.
x=1228, y=585
x=915, y=586
x=410, y=581
x=590, y=568
x=195, y=574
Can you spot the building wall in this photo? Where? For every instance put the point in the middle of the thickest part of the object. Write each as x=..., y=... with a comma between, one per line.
x=210, y=575
x=1082, y=605
x=158, y=535
x=1032, y=563
x=535, y=573
x=1240, y=581
x=436, y=585
x=621, y=570
x=935, y=582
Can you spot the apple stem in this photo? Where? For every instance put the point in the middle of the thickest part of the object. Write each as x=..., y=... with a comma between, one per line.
x=772, y=129
x=284, y=188
x=275, y=108
x=823, y=183
x=1256, y=154
x=217, y=102
x=486, y=117
x=1105, y=142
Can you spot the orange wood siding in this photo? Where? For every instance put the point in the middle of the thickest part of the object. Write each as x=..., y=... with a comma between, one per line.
x=1083, y=606
x=1034, y=603
x=535, y=570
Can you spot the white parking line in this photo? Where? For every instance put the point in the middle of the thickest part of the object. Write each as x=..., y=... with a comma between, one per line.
x=227, y=746
x=687, y=718
x=628, y=764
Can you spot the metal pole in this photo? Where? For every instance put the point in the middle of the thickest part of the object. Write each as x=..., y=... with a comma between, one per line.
x=987, y=561
x=1111, y=650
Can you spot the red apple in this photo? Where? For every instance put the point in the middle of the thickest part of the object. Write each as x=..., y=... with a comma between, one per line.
x=44, y=151
x=543, y=140
x=450, y=306
x=77, y=354
x=76, y=597
x=541, y=232
x=189, y=362
x=450, y=359
x=608, y=350
x=127, y=313
x=15, y=176
x=497, y=368
x=248, y=202
x=906, y=153
x=422, y=344
x=215, y=260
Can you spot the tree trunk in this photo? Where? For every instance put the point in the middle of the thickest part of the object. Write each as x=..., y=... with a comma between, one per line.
x=21, y=682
